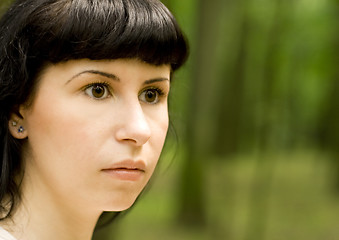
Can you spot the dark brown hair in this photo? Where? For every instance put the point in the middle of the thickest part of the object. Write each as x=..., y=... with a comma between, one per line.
x=36, y=32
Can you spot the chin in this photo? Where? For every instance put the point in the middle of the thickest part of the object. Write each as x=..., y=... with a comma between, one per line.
x=118, y=208
x=119, y=205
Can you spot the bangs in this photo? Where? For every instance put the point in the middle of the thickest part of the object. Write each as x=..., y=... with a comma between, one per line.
x=106, y=29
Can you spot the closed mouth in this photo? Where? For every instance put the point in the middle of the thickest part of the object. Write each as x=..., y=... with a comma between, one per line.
x=126, y=170
x=128, y=165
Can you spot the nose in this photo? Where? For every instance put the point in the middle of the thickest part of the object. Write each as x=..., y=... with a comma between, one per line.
x=134, y=127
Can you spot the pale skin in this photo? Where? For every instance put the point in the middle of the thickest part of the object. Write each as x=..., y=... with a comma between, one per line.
x=85, y=118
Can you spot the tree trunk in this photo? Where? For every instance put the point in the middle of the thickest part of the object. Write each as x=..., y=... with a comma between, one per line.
x=231, y=93
x=328, y=127
x=200, y=115
x=265, y=167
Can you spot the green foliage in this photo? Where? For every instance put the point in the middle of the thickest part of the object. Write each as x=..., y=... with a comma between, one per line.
x=4, y=5
x=262, y=78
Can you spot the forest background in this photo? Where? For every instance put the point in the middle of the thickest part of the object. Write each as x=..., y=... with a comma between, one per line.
x=253, y=152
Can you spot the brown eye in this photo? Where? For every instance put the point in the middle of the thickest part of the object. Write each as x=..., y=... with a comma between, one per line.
x=150, y=96
x=97, y=91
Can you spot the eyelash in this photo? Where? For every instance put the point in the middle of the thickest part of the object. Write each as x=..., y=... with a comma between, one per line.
x=105, y=84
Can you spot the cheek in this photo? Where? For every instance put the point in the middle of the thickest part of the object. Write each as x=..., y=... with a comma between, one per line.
x=159, y=131
x=63, y=145
x=59, y=131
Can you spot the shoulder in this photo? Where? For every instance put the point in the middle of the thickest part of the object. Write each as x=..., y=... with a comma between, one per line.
x=4, y=235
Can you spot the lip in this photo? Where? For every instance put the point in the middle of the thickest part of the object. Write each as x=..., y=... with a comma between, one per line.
x=127, y=170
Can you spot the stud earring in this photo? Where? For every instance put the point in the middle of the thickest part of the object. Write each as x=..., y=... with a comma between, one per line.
x=14, y=123
x=21, y=129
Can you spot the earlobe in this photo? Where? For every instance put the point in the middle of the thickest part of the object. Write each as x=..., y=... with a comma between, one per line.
x=16, y=127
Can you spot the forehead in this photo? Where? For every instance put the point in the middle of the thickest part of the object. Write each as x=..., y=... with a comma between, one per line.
x=118, y=66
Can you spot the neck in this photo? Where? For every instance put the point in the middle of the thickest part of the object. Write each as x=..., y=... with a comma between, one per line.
x=42, y=216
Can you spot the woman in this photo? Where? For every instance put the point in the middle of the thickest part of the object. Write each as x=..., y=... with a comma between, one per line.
x=83, y=98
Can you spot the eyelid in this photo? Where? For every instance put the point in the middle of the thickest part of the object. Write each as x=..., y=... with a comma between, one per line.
x=104, y=83
x=160, y=90
x=162, y=86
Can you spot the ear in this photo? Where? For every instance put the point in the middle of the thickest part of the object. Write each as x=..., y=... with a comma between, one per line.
x=16, y=125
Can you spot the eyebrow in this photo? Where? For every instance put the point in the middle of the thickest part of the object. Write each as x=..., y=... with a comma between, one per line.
x=108, y=75
x=114, y=77
x=155, y=80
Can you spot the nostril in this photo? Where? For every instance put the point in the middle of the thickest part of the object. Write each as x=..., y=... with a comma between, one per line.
x=133, y=134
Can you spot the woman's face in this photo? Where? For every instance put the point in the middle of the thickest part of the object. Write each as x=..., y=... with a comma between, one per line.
x=95, y=131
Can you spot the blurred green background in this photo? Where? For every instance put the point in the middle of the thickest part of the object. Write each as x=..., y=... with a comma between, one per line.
x=254, y=154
